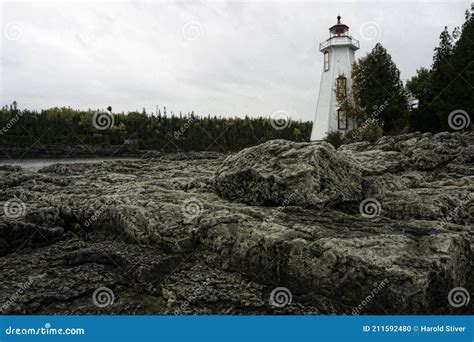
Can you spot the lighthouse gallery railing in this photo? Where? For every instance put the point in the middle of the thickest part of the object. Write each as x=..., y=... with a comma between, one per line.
x=341, y=40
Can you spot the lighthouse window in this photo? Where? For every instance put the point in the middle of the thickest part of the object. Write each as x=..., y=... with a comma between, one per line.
x=341, y=119
x=341, y=86
x=326, y=61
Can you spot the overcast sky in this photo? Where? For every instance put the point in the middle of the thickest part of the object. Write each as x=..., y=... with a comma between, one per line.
x=230, y=58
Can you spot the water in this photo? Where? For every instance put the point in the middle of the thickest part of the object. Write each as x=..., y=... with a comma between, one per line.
x=37, y=164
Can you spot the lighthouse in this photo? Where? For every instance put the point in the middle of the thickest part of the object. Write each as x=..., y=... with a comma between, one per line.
x=338, y=55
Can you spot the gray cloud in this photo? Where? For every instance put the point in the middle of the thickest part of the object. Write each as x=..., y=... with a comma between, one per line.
x=236, y=58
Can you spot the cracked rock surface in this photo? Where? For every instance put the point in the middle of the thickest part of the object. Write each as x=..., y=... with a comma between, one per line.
x=206, y=233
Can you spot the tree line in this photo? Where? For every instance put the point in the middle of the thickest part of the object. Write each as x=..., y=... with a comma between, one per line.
x=156, y=131
x=379, y=104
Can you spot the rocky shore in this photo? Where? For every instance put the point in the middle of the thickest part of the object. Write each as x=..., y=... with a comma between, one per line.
x=279, y=228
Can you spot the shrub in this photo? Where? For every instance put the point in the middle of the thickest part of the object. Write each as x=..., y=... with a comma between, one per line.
x=335, y=138
x=370, y=132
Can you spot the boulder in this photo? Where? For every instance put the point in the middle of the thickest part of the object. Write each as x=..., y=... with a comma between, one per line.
x=281, y=172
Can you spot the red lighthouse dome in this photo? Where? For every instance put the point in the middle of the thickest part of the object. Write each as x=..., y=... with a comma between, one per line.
x=339, y=29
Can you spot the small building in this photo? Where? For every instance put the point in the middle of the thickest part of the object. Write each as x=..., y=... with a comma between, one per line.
x=339, y=55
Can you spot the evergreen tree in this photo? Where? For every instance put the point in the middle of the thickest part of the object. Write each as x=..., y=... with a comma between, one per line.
x=460, y=92
x=452, y=79
x=420, y=92
x=436, y=111
x=168, y=133
x=376, y=83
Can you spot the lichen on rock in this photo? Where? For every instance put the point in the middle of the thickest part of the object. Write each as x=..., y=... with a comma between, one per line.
x=214, y=234
x=314, y=175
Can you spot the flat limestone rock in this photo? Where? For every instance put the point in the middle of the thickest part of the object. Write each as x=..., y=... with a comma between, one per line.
x=155, y=232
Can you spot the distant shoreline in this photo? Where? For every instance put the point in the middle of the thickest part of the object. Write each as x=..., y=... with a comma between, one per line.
x=64, y=151
x=91, y=151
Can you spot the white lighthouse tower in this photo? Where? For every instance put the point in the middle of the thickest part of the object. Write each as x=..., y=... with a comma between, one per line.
x=339, y=55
